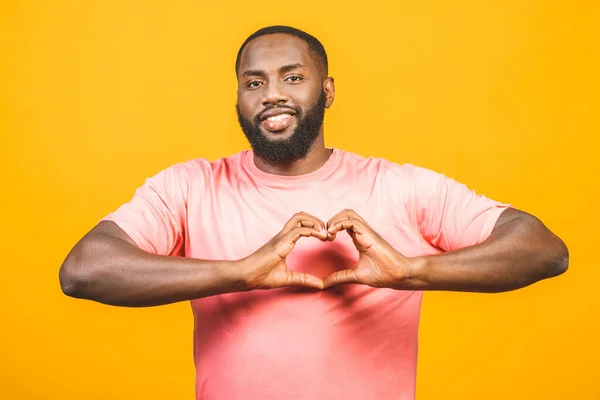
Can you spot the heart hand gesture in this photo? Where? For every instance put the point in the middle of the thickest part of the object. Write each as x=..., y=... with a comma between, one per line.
x=379, y=264
x=266, y=268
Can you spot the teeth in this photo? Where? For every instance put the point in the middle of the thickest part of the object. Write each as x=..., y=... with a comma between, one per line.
x=278, y=117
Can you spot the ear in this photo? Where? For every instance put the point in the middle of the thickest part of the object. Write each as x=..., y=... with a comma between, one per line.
x=329, y=88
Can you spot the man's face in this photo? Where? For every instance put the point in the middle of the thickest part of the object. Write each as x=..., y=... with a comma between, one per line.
x=282, y=97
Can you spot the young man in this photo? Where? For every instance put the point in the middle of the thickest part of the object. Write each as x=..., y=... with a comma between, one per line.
x=305, y=265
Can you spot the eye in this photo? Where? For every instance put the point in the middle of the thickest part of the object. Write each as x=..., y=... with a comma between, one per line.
x=293, y=78
x=253, y=84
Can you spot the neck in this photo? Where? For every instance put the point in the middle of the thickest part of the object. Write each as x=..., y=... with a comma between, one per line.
x=316, y=157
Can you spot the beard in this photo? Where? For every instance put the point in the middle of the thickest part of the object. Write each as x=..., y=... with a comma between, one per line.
x=293, y=148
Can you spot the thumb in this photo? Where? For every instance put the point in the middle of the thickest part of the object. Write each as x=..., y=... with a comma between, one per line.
x=303, y=279
x=339, y=277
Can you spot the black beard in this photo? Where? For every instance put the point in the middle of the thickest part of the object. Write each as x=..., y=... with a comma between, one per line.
x=295, y=147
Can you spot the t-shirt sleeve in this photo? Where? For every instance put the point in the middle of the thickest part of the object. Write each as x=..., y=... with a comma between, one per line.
x=154, y=217
x=449, y=215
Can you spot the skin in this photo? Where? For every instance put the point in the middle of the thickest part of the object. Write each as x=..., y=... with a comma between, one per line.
x=280, y=70
x=519, y=252
x=106, y=266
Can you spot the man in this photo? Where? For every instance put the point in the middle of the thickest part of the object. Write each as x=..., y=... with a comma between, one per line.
x=304, y=265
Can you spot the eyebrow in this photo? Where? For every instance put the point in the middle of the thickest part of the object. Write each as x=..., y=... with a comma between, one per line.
x=282, y=70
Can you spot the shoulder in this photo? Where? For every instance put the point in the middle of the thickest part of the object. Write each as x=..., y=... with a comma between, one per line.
x=201, y=168
x=390, y=170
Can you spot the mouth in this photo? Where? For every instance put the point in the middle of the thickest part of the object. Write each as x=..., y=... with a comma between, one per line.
x=277, y=120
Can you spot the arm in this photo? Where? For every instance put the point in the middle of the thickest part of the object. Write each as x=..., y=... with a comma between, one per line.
x=106, y=266
x=487, y=246
x=131, y=258
x=519, y=252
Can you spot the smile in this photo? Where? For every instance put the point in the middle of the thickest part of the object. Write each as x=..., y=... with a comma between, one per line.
x=279, y=117
x=279, y=122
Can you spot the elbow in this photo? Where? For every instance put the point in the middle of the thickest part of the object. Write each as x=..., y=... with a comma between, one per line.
x=71, y=282
x=75, y=275
x=558, y=260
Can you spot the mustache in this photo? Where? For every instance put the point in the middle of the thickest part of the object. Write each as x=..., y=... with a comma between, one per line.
x=259, y=115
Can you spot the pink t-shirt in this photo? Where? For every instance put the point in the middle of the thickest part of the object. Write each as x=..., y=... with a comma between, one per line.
x=350, y=342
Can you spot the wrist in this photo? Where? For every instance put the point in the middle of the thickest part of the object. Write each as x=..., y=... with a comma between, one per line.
x=416, y=274
x=233, y=275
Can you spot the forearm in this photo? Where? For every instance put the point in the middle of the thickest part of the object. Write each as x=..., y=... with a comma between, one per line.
x=517, y=253
x=111, y=271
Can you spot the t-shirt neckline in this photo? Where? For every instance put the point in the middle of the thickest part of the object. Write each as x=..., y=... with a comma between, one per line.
x=283, y=180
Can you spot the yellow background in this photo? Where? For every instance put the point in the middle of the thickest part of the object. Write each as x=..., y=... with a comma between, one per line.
x=97, y=96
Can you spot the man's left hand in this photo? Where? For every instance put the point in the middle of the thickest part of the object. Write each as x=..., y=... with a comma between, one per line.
x=379, y=264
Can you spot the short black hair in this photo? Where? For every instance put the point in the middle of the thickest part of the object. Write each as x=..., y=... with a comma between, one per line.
x=314, y=46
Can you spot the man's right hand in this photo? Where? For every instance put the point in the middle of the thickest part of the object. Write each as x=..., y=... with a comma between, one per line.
x=107, y=266
x=266, y=268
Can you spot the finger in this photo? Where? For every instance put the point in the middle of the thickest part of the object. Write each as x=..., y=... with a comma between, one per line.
x=340, y=277
x=305, y=217
x=303, y=279
x=312, y=222
x=344, y=214
x=301, y=219
x=296, y=233
x=348, y=224
x=336, y=222
x=320, y=226
x=283, y=245
x=335, y=217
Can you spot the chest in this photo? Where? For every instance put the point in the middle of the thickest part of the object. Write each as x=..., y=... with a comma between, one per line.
x=229, y=223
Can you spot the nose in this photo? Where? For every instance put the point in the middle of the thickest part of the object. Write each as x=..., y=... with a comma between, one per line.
x=274, y=95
